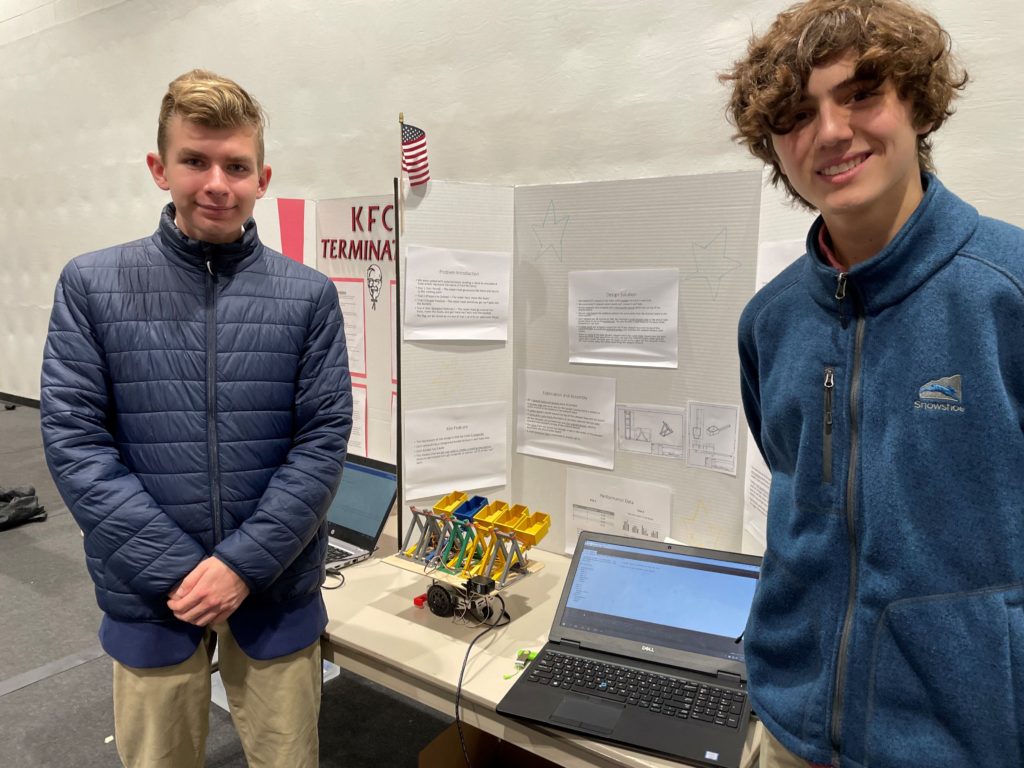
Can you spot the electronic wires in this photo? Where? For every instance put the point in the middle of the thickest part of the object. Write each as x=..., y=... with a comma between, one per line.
x=503, y=620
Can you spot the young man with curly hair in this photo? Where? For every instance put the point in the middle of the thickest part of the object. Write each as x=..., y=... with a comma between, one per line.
x=196, y=408
x=883, y=380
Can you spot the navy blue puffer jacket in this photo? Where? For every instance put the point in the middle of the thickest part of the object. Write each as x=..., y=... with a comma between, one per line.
x=196, y=401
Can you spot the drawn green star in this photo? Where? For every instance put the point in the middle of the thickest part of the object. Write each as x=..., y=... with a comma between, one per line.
x=551, y=233
x=709, y=263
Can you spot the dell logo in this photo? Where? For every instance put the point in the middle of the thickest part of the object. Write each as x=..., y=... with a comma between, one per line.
x=646, y=649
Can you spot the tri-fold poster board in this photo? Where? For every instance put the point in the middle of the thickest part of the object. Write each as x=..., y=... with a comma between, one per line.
x=568, y=347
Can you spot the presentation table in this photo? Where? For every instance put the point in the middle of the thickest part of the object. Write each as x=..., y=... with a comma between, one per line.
x=375, y=630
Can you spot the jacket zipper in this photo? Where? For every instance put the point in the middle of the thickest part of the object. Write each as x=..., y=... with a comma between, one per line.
x=211, y=399
x=844, y=638
x=844, y=319
x=826, y=443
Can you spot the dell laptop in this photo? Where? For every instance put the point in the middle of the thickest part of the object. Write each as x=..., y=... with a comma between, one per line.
x=356, y=517
x=646, y=650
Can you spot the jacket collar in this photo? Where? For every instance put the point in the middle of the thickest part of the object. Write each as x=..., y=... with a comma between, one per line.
x=224, y=259
x=933, y=234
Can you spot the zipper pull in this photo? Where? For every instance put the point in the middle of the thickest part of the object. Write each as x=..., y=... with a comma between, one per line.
x=208, y=258
x=830, y=383
x=844, y=319
x=841, y=286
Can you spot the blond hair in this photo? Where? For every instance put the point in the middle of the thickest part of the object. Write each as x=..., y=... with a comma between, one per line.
x=891, y=40
x=207, y=99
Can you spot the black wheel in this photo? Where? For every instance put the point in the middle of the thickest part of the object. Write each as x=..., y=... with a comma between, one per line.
x=441, y=599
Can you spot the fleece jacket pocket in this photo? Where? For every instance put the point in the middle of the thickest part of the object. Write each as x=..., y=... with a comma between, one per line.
x=946, y=677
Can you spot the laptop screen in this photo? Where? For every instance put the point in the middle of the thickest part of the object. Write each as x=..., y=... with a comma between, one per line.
x=363, y=501
x=640, y=595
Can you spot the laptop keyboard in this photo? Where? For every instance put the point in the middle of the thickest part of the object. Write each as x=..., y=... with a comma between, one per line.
x=659, y=694
x=337, y=553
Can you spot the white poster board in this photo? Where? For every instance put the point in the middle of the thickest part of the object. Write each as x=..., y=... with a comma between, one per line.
x=444, y=373
x=704, y=230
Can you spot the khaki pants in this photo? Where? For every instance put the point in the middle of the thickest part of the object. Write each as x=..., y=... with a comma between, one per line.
x=774, y=755
x=161, y=715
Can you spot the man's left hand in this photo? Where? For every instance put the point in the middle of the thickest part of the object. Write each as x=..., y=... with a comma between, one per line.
x=209, y=594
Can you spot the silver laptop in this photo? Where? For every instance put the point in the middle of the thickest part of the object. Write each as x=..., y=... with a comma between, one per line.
x=646, y=650
x=356, y=517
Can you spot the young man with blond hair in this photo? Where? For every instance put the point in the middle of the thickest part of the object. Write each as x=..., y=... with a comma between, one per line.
x=883, y=380
x=196, y=407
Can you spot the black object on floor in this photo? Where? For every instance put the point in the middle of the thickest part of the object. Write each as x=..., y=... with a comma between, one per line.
x=18, y=506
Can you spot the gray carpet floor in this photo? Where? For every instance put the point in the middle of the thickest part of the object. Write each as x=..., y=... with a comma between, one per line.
x=55, y=680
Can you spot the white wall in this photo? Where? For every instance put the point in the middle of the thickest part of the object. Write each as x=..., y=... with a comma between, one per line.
x=521, y=92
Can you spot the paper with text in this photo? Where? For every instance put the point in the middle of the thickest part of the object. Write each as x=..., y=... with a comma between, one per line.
x=353, y=312
x=757, y=484
x=624, y=317
x=452, y=295
x=610, y=504
x=360, y=418
x=567, y=417
x=454, y=448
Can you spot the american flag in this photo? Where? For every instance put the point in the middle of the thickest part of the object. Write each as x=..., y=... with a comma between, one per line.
x=414, y=154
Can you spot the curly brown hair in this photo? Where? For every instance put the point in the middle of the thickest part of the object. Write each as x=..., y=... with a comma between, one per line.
x=892, y=41
x=206, y=98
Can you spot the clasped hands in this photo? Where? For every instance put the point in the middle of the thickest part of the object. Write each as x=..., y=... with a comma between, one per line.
x=208, y=595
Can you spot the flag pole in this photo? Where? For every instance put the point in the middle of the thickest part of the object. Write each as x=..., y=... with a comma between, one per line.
x=399, y=221
x=401, y=163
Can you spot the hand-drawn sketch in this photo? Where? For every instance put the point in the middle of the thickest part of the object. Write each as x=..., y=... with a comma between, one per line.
x=712, y=443
x=653, y=430
x=708, y=263
x=551, y=233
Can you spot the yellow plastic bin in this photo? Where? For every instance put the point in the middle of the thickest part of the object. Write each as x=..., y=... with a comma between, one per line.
x=512, y=518
x=450, y=503
x=532, y=529
x=485, y=518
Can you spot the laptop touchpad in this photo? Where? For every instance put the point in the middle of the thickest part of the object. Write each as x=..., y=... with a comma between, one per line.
x=596, y=716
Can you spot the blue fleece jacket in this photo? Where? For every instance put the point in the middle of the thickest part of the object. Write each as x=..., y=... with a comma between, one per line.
x=888, y=627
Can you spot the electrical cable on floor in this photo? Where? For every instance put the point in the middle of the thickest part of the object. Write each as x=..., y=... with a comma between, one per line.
x=503, y=614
